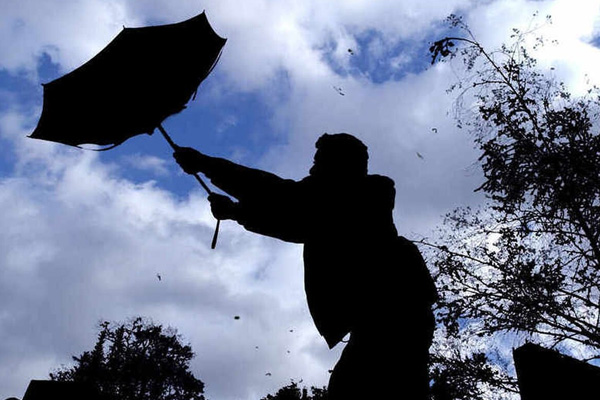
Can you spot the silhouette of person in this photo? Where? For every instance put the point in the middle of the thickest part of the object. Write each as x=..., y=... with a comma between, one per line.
x=360, y=277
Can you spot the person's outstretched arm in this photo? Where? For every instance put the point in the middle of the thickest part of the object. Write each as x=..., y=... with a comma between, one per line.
x=237, y=180
x=268, y=205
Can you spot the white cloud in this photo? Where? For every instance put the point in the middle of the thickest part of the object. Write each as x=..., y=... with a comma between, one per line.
x=574, y=58
x=152, y=164
x=88, y=246
x=396, y=120
x=69, y=32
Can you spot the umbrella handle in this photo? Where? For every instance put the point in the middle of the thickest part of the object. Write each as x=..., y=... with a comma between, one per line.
x=175, y=147
x=215, y=235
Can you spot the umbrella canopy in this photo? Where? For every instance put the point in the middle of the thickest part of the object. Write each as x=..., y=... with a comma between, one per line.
x=143, y=76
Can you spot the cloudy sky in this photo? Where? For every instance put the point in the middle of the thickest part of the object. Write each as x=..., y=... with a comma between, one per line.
x=84, y=234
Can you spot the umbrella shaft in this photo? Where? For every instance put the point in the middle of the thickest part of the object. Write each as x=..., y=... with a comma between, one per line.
x=167, y=137
x=200, y=181
x=176, y=147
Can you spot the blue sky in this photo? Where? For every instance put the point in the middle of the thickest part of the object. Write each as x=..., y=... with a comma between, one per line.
x=85, y=233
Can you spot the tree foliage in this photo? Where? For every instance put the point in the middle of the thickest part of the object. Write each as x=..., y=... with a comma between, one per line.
x=293, y=392
x=528, y=262
x=136, y=360
x=459, y=377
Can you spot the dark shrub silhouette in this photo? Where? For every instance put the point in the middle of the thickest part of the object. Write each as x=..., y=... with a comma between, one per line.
x=293, y=392
x=136, y=360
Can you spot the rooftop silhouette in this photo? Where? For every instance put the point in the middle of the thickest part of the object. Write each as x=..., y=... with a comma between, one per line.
x=545, y=374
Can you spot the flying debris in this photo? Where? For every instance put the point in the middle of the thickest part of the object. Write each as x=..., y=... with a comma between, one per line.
x=339, y=90
x=159, y=277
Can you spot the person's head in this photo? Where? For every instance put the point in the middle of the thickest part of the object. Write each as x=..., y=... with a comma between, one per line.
x=340, y=155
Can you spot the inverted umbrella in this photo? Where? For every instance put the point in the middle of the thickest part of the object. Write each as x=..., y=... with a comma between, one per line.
x=140, y=78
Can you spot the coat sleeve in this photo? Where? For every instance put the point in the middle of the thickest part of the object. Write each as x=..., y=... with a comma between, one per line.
x=239, y=181
x=267, y=204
